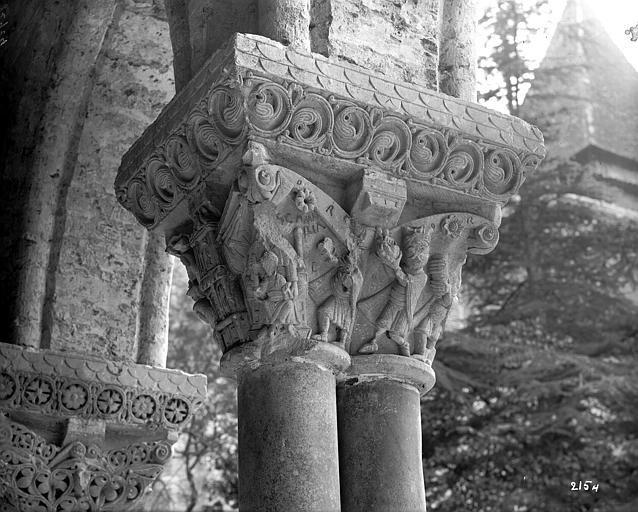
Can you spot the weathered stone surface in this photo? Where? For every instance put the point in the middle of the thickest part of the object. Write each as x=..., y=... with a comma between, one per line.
x=288, y=456
x=103, y=295
x=379, y=419
x=398, y=39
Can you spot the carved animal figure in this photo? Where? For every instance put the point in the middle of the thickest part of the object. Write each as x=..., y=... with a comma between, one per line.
x=340, y=307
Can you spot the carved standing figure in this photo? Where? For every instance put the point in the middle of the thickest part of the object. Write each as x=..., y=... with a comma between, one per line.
x=339, y=308
x=278, y=295
x=396, y=317
x=446, y=287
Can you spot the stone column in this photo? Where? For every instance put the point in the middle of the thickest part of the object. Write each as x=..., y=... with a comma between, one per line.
x=288, y=456
x=379, y=412
x=324, y=212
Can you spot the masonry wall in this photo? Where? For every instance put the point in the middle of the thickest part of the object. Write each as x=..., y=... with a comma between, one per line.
x=84, y=79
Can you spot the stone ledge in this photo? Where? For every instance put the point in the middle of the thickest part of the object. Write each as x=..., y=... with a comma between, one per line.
x=61, y=384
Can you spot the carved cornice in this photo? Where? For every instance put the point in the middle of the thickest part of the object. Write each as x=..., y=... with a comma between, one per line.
x=64, y=385
x=257, y=89
x=39, y=476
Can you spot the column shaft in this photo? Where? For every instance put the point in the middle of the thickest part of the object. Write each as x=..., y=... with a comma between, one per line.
x=288, y=456
x=380, y=447
x=286, y=21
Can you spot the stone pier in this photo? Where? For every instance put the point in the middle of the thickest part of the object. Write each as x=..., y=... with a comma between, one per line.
x=324, y=213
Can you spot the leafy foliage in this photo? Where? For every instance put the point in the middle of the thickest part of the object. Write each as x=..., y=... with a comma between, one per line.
x=507, y=69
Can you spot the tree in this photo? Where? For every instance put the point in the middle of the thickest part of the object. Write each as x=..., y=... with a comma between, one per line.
x=507, y=67
x=536, y=392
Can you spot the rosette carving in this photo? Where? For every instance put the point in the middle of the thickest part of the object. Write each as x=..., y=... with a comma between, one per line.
x=311, y=122
x=390, y=144
x=502, y=175
x=352, y=130
x=269, y=108
x=427, y=154
x=464, y=165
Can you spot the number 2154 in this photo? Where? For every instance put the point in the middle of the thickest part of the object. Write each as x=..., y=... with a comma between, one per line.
x=587, y=485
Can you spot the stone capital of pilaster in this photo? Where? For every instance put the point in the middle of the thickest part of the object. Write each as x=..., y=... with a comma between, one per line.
x=83, y=433
x=58, y=385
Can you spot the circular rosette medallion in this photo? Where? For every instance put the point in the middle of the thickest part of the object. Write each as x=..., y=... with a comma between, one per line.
x=269, y=108
x=502, y=176
x=226, y=111
x=311, y=121
x=390, y=143
x=464, y=165
x=352, y=132
x=427, y=154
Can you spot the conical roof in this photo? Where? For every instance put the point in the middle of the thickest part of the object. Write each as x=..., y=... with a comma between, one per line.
x=585, y=92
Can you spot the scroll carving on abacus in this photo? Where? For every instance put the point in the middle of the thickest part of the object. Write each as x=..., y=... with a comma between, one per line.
x=37, y=476
x=415, y=134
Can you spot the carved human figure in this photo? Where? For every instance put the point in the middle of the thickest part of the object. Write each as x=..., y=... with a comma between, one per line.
x=446, y=287
x=410, y=279
x=278, y=295
x=340, y=307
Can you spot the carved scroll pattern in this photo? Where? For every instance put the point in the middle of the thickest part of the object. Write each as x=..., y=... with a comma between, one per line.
x=36, y=476
x=54, y=395
x=322, y=123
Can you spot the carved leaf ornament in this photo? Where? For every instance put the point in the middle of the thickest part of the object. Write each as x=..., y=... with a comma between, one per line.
x=36, y=476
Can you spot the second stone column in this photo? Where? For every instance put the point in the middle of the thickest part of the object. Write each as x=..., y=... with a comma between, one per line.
x=379, y=418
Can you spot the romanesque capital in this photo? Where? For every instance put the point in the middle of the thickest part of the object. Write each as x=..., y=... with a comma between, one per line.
x=84, y=433
x=314, y=202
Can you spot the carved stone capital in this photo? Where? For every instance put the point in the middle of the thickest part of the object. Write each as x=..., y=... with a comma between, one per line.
x=315, y=202
x=84, y=433
x=36, y=475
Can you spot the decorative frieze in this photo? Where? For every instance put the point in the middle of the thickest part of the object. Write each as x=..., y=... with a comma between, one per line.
x=37, y=476
x=64, y=385
x=299, y=103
